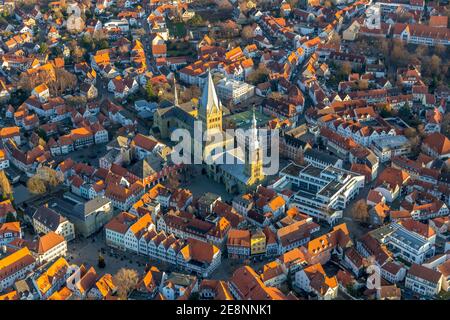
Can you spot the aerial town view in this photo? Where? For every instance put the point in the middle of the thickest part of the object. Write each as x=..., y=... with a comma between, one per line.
x=224, y=150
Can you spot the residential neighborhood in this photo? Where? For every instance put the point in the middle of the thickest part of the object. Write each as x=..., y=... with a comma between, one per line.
x=224, y=150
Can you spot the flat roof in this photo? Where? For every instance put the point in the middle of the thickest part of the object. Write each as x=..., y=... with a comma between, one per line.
x=244, y=119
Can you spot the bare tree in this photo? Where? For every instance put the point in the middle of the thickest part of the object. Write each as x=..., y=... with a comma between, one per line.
x=189, y=93
x=440, y=50
x=5, y=186
x=345, y=68
x=400, y=56
x=359, y=211
x=125, y=280
x=76, y=101
x=65, y=80
x=224, y=5
x=247, y=33
x=173, y=180
x=78, y=53
x=435, y=65
x=36, y=185
x=446, y=125
x=259, y=75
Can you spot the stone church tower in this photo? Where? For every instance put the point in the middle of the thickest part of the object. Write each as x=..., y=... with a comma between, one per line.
x=253, y=155
x=210, y=108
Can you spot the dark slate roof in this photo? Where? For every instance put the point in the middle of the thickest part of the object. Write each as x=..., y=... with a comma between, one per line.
x=48, y=217
x=321, y=156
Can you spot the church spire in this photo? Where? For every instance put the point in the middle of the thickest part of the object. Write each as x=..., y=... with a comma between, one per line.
x=209, y=100
x=254, y=133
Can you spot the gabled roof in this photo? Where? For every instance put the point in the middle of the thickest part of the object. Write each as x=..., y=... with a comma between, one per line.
x=49, y=241
x=438, y=142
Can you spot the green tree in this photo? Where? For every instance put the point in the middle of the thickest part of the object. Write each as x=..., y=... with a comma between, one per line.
x=196, y=20
x=43, y=48
x=150, y=91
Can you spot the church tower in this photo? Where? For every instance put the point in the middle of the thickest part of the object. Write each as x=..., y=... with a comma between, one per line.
x=253, y=155
x=210, y=108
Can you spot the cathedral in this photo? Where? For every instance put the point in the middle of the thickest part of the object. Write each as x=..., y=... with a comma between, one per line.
x=240, y=168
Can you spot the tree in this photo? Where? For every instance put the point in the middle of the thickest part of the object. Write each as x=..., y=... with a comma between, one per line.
x=225, y=5
x=243, y=7
x=5, y=186
x=36, y=185
x=43, y=48
x=18, y=97
x=189, y=93
x=383, y=45
x=150, y=92
x=76, y=101
x=345, y=69
x=440, y=50
x=400, y=56
x=414, y=139
x=10, y=217
x=99, y=35
x=101, y=262
x=29, y=82
x=65, y=80
x=173, y=179
x=446, y=125
x=50, y=176
x=125, y=280
x=78, y=53
x=247, y=33
x=196, y=20
x=410, y=133
x=386, y=110
x=293, y=3
x=435, y=65
x=421, y=50
x=335, y=39
x=363, y=84
x=87, y=42
x=260, y=75
x=359, y=211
